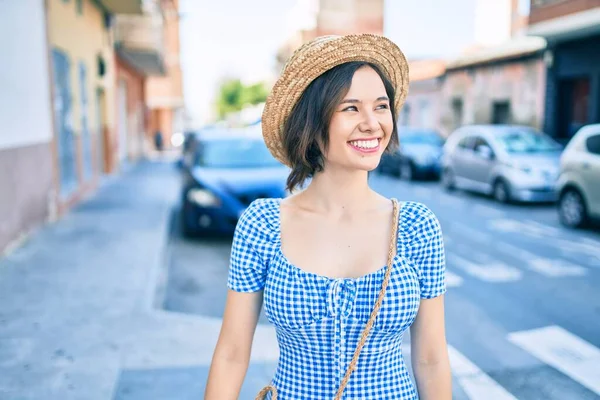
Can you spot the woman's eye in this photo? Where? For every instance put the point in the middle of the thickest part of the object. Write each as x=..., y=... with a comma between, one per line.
x=350, y=108
x=383, y=107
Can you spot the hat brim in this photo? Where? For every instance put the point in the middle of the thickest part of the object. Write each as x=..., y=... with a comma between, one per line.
x=315, y=58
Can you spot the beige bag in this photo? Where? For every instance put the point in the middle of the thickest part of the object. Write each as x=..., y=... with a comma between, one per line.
x=388, y=272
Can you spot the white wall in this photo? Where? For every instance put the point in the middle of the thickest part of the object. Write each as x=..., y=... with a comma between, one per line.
x=25, y=113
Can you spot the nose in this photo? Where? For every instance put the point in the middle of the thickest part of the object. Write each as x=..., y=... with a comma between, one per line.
x=370, y=123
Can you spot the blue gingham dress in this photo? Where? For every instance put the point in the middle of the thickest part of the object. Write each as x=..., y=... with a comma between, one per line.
x=319, y=319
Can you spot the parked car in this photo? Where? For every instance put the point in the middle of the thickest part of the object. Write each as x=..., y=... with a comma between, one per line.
x=509, y=162
x=224, y=171
x=418, y=156
x=579, y=180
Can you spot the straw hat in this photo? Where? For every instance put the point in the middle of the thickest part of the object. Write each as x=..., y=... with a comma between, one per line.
x=316, y=57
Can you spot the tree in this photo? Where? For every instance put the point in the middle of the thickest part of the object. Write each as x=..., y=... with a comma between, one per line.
x=234, y=96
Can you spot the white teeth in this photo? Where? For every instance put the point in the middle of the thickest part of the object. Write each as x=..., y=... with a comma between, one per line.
x=365, y=144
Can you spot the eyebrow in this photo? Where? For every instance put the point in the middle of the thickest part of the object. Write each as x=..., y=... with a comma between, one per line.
x=352, y=101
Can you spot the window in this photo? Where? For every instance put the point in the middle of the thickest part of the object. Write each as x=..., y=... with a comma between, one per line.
x=501, y=112
x=234, y=153
x=405, y=116
x=522, y=140
x=466, y=143
x=592, y=144
x=457, y=112
x=480, y=142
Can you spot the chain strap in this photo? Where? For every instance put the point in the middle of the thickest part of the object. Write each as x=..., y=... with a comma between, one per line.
x=367, y=329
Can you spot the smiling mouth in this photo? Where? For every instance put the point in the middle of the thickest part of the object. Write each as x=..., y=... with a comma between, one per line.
x=365, y=146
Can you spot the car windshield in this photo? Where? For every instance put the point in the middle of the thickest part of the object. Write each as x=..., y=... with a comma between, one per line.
x=421, y=137
x=235, y=153
x=526, y=141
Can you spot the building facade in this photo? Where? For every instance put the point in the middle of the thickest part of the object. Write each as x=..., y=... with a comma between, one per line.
x=572, y=29
x=26, y=141
x=140, y=55
x=83, y=74
x=500, y=85
x=332, y=17
x=164, y=94
x=422, y=108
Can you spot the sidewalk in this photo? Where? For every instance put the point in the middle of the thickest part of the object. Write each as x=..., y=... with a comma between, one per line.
x=77, y=304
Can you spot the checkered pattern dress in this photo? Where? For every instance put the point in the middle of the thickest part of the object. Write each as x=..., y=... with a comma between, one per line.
x=319, y=320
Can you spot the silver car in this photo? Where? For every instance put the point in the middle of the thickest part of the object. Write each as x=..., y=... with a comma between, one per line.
x=579, y=181
x=509, y=162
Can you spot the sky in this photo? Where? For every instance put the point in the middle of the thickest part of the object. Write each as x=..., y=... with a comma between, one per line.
x=239, y=38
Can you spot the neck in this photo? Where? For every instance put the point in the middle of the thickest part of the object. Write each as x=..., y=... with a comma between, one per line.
x=338, y=189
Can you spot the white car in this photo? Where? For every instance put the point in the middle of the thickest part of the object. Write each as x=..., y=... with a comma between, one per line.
x=508, y=162
x=579, y=181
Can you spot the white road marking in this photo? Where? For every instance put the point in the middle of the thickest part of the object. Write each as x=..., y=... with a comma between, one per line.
x=453, y=280
x=583, y=246
x=514, y=226
x=476, y=383
x=488, y=211
x=564, y=351
x=449, y=200
x=492, y=271
x=543, y=265
x=470, y=233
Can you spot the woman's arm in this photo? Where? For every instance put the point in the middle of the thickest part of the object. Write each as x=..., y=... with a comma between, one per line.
x=232, y=353
x=429, y=351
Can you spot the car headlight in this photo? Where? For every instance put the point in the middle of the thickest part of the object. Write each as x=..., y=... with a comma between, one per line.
x=202, y=197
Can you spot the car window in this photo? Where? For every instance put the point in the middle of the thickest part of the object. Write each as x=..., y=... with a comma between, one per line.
x=234, y=153
x=466, y=143
x=421, y=137
x=592, y=144
x=522, y=140
x=480, y=142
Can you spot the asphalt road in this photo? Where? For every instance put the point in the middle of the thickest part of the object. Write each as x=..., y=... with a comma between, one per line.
x=523, y=301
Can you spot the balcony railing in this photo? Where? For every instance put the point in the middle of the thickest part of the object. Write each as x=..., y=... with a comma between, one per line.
x=139, y=40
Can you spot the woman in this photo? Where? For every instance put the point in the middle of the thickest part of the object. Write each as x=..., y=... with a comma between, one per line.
x=322, y=257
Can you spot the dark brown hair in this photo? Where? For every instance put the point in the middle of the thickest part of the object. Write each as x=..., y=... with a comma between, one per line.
x=306, y=130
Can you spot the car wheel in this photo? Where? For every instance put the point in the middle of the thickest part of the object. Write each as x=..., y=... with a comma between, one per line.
x=448, y=179
x=501, y=191
x=571, y=209
x=407, y=171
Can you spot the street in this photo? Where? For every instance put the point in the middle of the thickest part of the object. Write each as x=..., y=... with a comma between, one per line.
x=110, y=302
x=522, y=307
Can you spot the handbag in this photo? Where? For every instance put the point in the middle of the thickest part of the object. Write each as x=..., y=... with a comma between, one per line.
x=367, y=329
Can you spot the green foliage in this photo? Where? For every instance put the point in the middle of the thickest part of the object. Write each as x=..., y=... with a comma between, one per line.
x=234, y=96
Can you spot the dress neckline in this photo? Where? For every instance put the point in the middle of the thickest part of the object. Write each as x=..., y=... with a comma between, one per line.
x=367, y=276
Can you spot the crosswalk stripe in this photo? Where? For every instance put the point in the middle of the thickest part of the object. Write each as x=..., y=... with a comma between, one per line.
x=564, y=351
x=492, y=271
x=476, y=383
x=453, y=280
x=543, y=265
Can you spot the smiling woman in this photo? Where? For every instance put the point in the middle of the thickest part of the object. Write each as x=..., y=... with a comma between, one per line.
x=343, y=270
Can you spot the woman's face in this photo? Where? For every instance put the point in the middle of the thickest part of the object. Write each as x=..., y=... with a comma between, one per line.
x=361, y=125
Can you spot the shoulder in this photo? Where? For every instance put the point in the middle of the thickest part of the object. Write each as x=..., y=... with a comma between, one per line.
x=260, y=217
x=414, y=214
x=417, y=223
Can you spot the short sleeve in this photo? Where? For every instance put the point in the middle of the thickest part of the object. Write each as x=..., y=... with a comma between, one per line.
x=251, y=250
x=426, y=251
